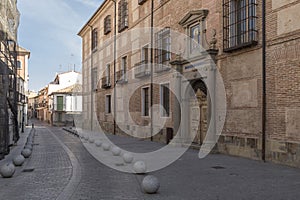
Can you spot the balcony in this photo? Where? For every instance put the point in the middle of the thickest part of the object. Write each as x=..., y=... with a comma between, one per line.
x=121, y=77
x=105, y=82
x=161, y=68
x=142, y=69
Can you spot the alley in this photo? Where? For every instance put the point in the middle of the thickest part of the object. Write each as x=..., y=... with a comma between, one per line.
x=61, y=168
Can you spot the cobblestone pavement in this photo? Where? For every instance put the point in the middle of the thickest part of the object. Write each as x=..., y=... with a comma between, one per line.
x=64, y=169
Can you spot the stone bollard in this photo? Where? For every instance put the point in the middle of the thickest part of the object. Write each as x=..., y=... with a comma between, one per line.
x=26, y=153
x=106, y=146
x=140, y=167
x=128, y=158
x=116, y=151
x=98, y=143
x=19, y=160
x=150, y=184
x=7, y=170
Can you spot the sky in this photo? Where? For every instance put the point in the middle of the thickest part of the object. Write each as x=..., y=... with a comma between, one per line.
x=48, y=29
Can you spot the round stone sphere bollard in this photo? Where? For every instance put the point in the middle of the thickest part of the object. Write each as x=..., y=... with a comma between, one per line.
x=127, y=157
x=106, y=146
x=18, y=160
x=150, y=184
x=7, y=170
x=139, y=167
x=98, y=143
x=27, y=146
x=116, y=151
x=91, y=140
x=26, y=153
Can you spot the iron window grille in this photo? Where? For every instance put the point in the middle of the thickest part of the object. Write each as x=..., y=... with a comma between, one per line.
x=94, y=39
x=165, y=100
x=122, y=15
x=239, y=24
x=145, y=101
x=107, y=25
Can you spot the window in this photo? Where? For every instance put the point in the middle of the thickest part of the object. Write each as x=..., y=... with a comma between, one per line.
x=122, y=15
x=107, y=25
x=165, y=100
x=19, y=64
x=108, y=104
x=60, y=103
x=94, y=39
x=145, y=101
x=239, y=24
x=195, y=38
x=107, y=74
x=163, y=44
x=123, y=67
x=145, y=54
x=94, y=78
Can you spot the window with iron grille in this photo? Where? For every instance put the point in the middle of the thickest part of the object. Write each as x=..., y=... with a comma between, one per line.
x=163, y=46
x=145, y=101
x=108, y=104
x=122, y=15
x=94, y=39
x=239, y=24
x=123, y=67
x=107, y=24
x=165, y=100
x=107, y=74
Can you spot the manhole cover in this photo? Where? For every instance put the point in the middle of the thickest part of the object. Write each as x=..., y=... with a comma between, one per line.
x=28, y=170
x=218, y=167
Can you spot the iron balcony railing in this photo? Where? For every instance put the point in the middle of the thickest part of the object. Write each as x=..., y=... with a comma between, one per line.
x=121, y=77
x=105, y=82
x=142, y=69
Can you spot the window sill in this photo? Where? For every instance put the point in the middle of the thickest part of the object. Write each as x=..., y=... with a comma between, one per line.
x=241, y=46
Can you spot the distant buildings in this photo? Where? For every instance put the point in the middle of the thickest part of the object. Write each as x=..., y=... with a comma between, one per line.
x=22, y=86
x=254, y=44
x=60, y=100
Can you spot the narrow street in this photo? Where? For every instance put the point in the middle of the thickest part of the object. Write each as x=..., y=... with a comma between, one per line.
x=61, y=168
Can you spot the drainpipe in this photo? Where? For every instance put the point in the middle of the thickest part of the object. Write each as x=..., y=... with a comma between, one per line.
x=264, y=136
x=91, y=74
x=115, y=57
x=151, y=61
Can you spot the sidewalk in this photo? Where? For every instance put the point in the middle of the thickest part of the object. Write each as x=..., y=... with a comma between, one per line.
x=16, y=149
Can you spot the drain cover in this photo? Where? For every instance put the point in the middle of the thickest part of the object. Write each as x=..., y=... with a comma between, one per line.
x=119, y=164
x=28, y=170
x=218, y=167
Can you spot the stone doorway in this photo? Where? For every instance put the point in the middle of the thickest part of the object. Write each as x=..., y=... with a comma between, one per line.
x=200, y=106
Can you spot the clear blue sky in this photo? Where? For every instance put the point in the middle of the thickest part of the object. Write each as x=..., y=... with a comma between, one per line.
x=48, y=28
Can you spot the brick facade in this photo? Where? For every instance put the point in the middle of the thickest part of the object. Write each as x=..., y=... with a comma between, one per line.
x=241, y=70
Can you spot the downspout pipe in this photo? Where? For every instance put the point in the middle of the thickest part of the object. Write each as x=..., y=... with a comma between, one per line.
x=91, y=74
x=151, y=58
x=264, y=102
x=115, y=57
